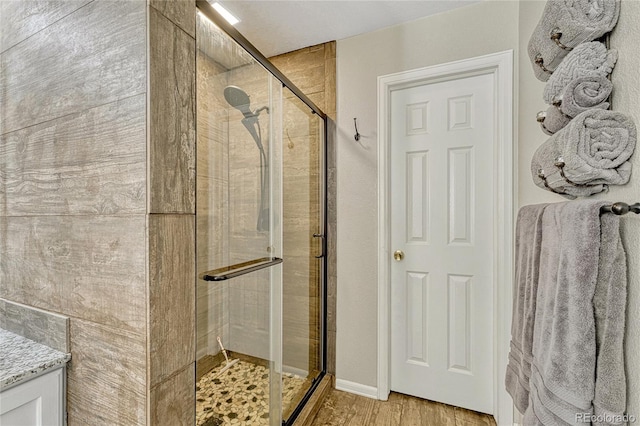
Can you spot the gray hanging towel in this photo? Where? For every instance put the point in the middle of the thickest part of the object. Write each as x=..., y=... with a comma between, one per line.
x=564, y=25
x=527, y=264
x=578, y=353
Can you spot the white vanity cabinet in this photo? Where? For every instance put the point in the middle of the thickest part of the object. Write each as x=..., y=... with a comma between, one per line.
x=39, y=401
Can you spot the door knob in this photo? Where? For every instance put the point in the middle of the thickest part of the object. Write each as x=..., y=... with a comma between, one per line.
x=398, y=255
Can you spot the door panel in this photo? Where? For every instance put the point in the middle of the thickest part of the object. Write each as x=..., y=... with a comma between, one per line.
x=441, y=210
x=417, y=196
x=417, y=310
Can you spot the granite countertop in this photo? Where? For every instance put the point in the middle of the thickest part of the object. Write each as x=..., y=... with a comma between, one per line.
x=22, y=359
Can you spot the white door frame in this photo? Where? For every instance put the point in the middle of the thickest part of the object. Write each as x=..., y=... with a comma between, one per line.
x=500, y=65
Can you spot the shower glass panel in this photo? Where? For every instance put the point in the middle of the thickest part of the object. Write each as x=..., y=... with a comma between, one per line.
x=302, y=271
x=260, y=238
x=239, y=235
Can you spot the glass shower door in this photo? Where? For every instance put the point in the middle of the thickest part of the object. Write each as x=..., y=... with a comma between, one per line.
x=239, y=235
x=260, y=235
x=303, y=249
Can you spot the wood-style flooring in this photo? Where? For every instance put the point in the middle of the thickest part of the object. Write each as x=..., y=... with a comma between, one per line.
x=342, y=408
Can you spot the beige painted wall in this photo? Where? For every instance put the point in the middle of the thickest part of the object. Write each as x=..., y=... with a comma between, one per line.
x=626, y=98
x=487, y=27
x=475, y=30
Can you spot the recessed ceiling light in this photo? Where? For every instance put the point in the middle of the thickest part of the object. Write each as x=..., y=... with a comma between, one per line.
x=225, y=13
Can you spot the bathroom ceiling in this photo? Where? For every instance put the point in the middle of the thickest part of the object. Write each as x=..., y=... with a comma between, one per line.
x=276, y=27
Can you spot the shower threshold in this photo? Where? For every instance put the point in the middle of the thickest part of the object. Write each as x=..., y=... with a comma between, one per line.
x=240, y=394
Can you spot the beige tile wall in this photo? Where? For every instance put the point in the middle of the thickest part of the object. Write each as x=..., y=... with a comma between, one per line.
x=171, y=114
x=41, y=326
x=171, y=345
x=18, y=22
x=171, y=300
x=73, y=189
x=173, y=401
x=106, y=376
x=83, y=231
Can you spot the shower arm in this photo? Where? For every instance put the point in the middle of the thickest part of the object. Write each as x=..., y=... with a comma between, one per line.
x=259, y=110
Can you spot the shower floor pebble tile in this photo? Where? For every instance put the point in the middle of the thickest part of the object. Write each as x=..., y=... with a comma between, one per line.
x=240, y=395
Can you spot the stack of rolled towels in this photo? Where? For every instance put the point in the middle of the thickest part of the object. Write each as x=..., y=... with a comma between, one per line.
x=589, y=146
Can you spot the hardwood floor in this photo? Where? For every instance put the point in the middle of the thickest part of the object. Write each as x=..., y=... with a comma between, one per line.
x=342, y=408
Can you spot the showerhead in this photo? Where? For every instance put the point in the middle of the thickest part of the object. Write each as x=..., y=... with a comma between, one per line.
x=238, y=98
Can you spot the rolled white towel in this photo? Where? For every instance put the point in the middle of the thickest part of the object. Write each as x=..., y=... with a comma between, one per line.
x=580, y=95
x=591, y=152
x=564, y=25
x=584, y=93
x=588, y=59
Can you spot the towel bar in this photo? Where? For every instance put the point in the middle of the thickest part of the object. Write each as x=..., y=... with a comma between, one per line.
x=621, y=208
x=236, y=270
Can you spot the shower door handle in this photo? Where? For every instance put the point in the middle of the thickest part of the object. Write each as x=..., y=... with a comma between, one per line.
x=228, y=272
x=323, y=253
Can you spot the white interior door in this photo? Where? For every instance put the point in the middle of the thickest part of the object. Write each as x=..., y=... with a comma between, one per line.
x=442, y=168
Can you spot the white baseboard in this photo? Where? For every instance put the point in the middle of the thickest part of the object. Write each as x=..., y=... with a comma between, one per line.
x=357, y=388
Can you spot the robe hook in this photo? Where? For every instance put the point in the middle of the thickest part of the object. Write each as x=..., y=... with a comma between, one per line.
x=355, y=124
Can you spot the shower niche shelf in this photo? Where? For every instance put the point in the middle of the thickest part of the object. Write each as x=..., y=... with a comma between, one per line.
x=232, y=271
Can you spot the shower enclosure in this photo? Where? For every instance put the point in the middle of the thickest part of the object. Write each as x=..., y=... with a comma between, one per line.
x=260, y=223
